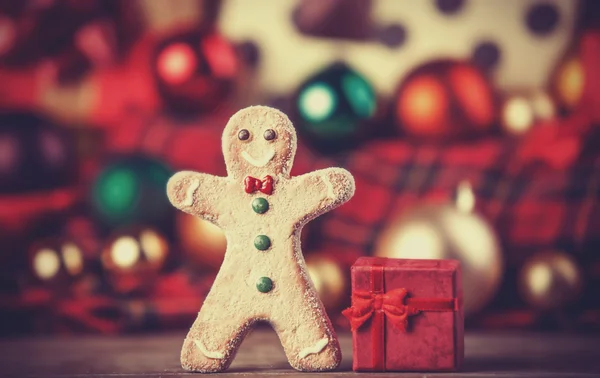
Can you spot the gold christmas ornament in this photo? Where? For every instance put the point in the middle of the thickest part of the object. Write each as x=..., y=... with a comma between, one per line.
x=329, y=279
x=450, y=231
x=202, y=243
x=550, y=280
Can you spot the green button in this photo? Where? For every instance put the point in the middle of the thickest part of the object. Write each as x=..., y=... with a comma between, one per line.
x=260, y=205
x=264, y=284
x=262, y=242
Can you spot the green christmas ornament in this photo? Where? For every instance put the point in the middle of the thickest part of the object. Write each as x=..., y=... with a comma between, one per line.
x=334, y=107
x=131, y=189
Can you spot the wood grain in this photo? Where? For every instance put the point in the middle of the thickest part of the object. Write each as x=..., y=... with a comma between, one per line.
x=487, y=355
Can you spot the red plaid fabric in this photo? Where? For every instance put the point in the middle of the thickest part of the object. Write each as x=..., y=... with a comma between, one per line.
x=193, y=144
x=531, y=205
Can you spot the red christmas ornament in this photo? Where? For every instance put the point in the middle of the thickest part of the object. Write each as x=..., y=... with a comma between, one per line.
x=220, y=56
x=184, y=72
x=195, y=72
x=445, y=99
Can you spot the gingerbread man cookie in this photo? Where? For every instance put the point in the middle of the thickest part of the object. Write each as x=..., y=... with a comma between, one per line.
x=261, y=210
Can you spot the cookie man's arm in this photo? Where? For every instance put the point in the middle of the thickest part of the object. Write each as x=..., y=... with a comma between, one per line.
x=321, y=191
x=198, y=194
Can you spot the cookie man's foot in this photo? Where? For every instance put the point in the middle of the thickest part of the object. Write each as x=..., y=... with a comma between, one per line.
x=213, y=339
x=196, y=357
x=321, y=356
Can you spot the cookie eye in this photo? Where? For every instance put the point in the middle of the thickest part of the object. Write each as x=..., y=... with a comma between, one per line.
x=243, y=134
x=270, y=134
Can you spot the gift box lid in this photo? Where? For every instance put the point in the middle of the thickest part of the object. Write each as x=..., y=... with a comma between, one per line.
x=424, y=278
x=407, y=264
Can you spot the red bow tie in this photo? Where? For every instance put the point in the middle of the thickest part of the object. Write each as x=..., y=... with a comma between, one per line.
x=364, y=305
x=253, y=184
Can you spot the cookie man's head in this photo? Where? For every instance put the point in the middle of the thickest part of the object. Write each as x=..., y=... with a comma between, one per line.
x=258, y=141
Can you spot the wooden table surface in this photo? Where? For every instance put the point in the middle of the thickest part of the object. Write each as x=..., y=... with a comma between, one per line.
x=487, y=355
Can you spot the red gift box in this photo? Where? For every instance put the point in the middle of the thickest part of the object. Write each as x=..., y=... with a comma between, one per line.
x=406, y=315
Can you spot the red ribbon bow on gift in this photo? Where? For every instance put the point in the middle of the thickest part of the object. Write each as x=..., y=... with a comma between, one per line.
x=253, y=184
x=365, y=304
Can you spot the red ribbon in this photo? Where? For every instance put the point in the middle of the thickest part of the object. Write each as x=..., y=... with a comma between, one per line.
x=379, y=305
x=253, y=184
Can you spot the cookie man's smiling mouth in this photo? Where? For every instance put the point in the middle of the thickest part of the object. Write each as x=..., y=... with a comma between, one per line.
x=258, y=162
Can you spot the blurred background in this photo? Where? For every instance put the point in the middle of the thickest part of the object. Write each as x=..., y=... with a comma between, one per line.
x=471, y=127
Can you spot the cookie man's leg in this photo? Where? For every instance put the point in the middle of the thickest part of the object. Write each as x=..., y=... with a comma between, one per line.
x=213, y=340
x=308, y=338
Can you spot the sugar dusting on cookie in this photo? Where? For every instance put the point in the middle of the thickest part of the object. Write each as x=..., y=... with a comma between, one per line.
x=268, y=282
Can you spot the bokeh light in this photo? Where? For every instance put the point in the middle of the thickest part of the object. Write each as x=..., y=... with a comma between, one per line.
x=46, y=263
x=72, y=258
x=517, y=115
x=569, y=82
x=317, y=102
x=125, y=252
x=176, y=63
